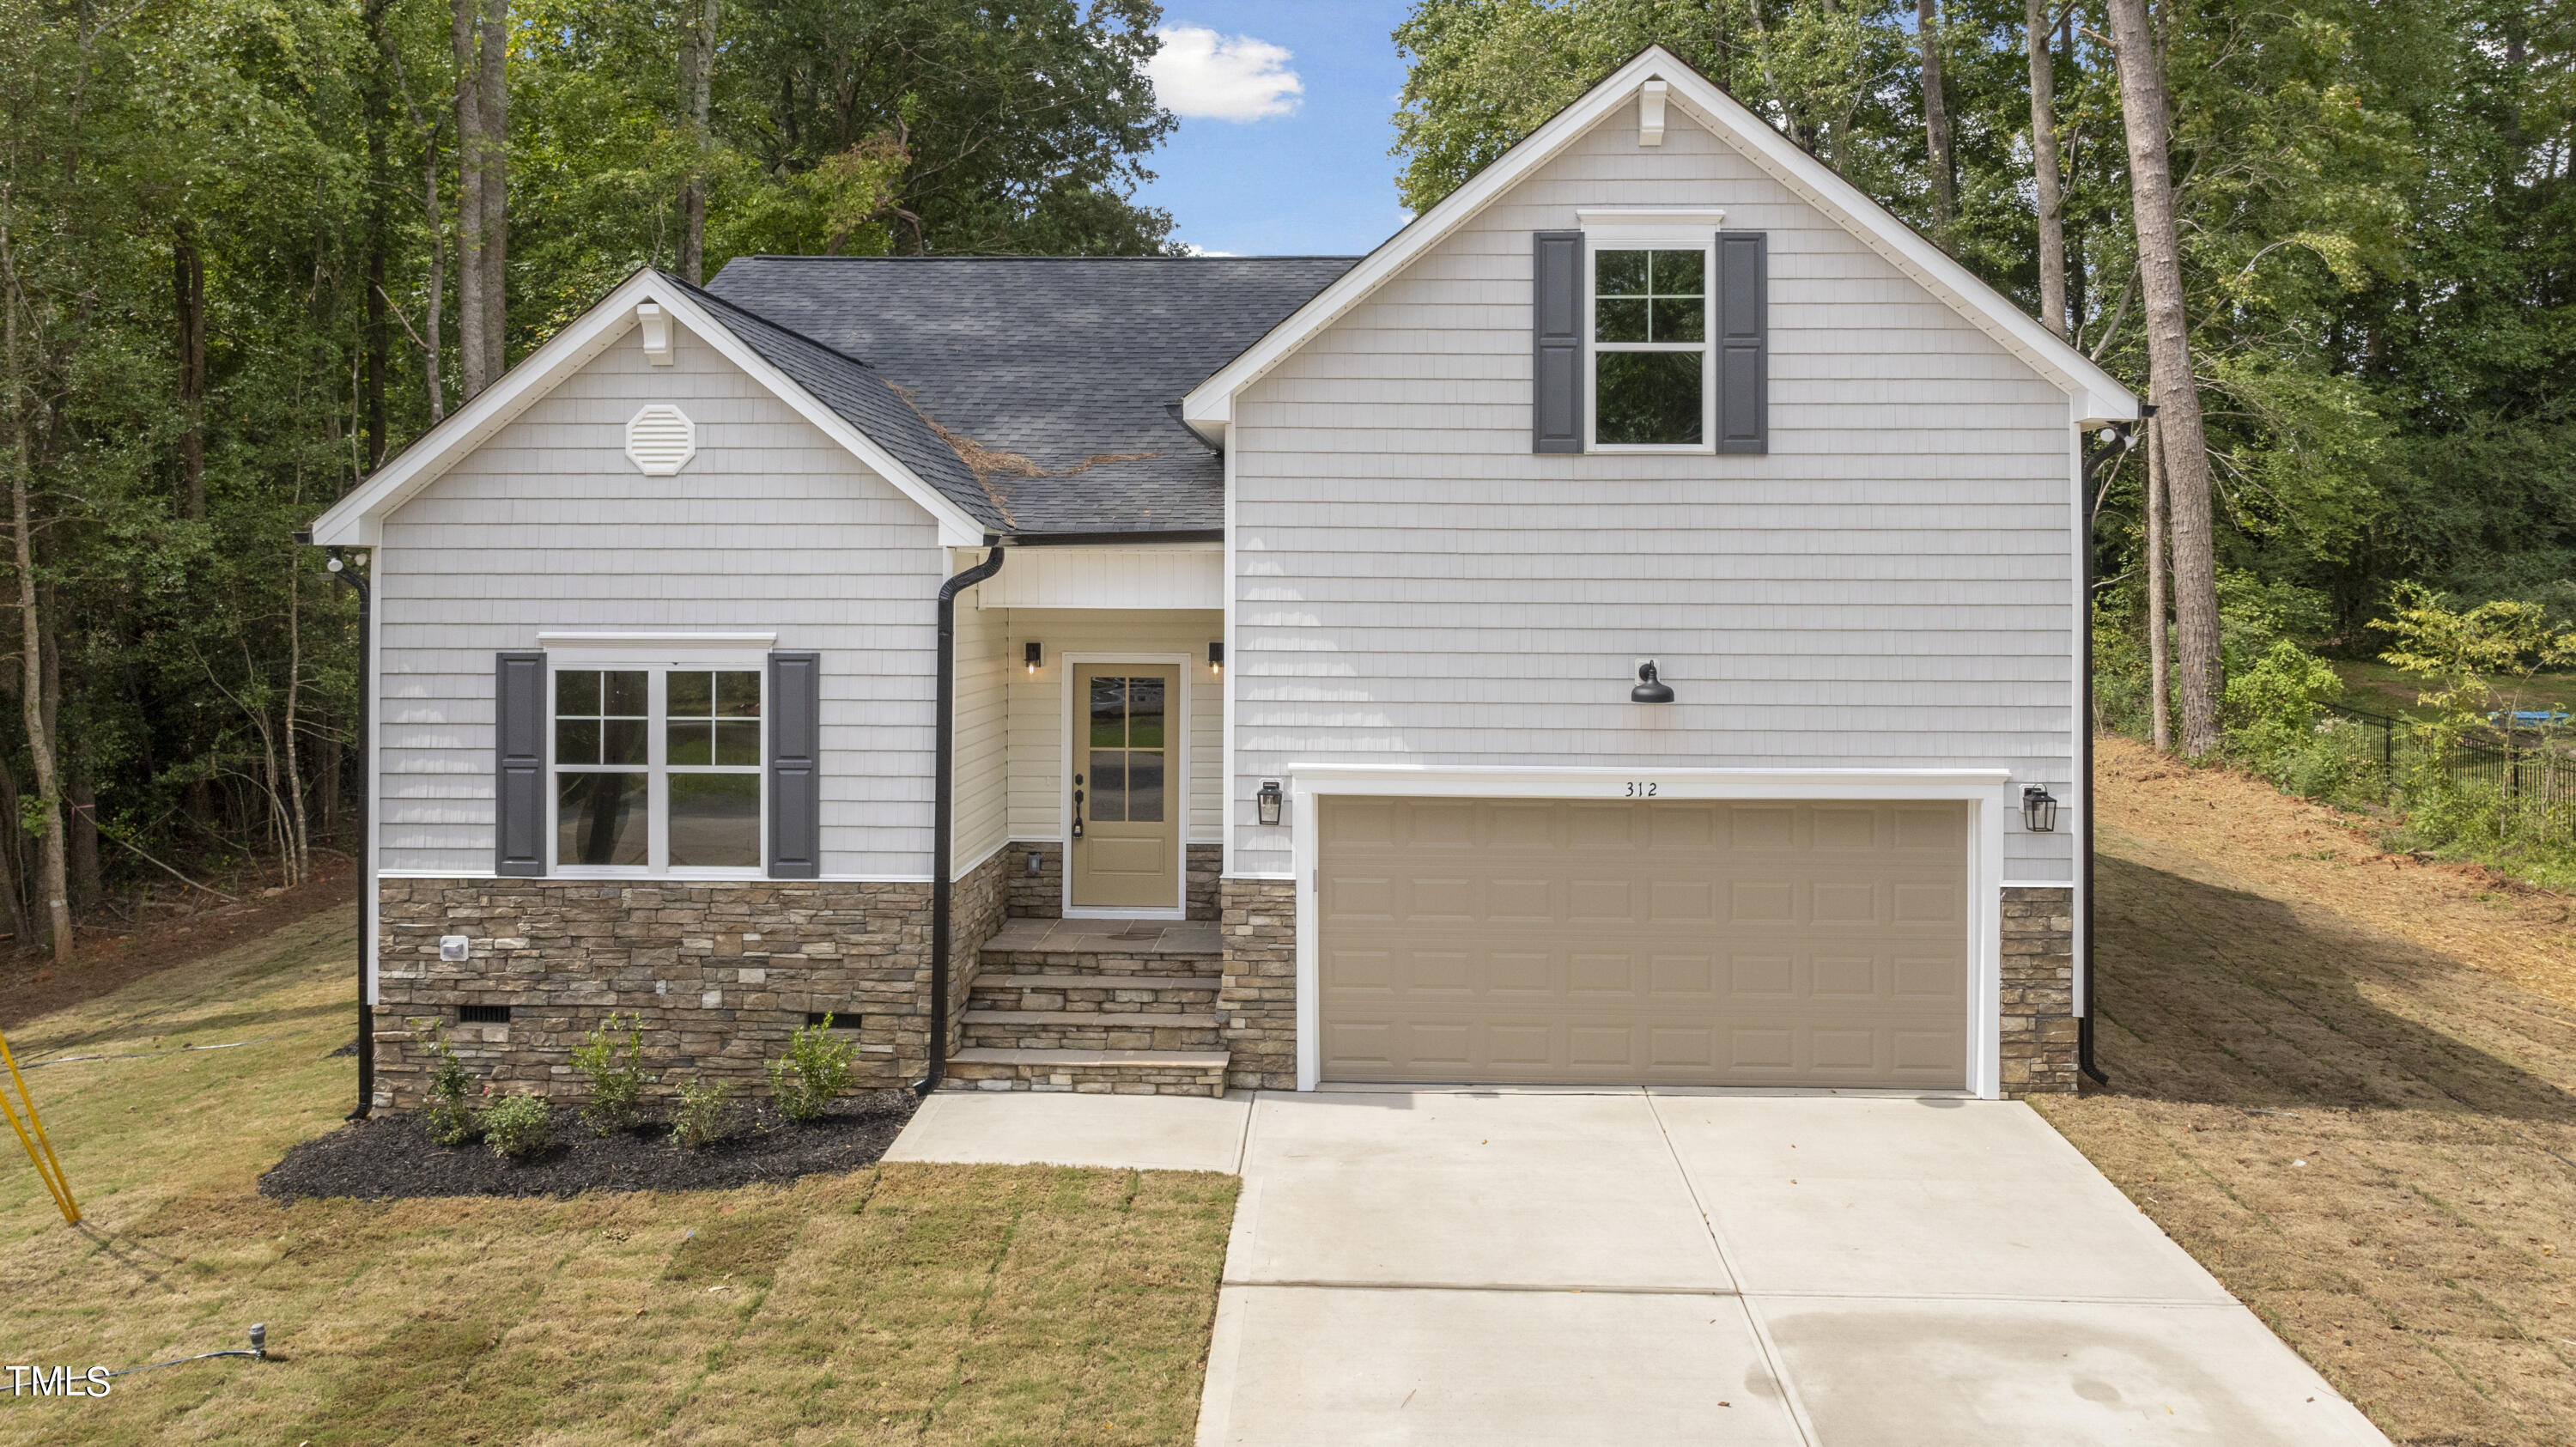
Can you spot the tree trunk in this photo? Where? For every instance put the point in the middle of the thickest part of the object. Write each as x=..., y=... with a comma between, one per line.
x=697, y=84
x=1936, y=119
x=2043, y=153
x=299, y=840
x=2175, y=392
x=87, y=885
x=496, y=189
x=2159, y=647
x=470, y=350
x=188, y=303
x=51, y=887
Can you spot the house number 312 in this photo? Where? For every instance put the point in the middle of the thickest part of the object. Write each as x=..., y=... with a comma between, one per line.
x=1641, y=788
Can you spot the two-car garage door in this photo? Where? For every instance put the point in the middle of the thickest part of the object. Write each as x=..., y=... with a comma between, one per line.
x=1666, y=942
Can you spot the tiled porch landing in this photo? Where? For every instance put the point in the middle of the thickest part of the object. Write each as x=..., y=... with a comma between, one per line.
x=1097, y=1006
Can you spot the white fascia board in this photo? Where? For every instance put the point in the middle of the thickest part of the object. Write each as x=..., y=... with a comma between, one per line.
x=2098, y=397
x=358, y=519
x=1590, y=782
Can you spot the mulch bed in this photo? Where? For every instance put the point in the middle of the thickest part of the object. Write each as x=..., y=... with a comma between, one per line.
x=391, y=1157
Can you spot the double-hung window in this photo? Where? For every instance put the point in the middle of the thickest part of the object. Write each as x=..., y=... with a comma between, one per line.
x=657, y=770
x=1650, y=360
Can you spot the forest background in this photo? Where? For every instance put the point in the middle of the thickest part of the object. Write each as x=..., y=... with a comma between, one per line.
x=251, y=248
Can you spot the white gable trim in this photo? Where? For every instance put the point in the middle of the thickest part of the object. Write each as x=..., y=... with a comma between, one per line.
x=358, y=519
x=2096, y=395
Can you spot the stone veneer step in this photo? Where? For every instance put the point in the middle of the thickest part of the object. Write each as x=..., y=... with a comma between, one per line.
x=1104, y=994
x=1089, y=1072
x=1090, y=1030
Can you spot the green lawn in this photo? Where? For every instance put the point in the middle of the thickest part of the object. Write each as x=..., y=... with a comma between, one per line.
x=906, y=1303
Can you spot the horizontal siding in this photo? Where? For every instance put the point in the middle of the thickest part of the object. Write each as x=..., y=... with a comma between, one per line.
x=983, y=735
x=1037, y=707
x=548, y=526
x=1092, y=578
x=1891, y=586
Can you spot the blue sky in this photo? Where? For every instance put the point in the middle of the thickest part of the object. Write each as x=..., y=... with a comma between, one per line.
x=1279, y=155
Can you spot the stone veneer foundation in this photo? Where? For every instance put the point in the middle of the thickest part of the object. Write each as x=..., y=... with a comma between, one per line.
x=1039, y=894
x=1256, y=1002
x=721, y=973
x=2039, y=1028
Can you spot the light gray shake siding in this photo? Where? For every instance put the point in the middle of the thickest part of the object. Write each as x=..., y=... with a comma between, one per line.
x=547, y=526
x=1889, y=587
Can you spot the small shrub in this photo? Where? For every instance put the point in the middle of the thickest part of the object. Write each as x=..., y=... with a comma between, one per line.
x=814, y=1071
x=518, y=1126
x=705, y=1115
x=612, y=1061
x=447, y=1116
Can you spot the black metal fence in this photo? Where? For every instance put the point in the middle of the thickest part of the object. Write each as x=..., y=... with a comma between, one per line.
x=2523, y=769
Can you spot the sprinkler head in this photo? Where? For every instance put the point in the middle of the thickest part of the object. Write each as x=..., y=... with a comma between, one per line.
x=259, y=1339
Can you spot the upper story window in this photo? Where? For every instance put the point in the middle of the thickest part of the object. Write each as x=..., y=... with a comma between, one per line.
x=1650, y=352
x=657, y=769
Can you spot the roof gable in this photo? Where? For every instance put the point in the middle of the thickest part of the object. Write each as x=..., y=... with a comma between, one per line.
x=2095, y=395
x=838, y=394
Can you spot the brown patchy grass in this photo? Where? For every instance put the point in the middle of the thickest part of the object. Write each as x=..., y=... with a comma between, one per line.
x=2341, y=1079
x=945, y=1304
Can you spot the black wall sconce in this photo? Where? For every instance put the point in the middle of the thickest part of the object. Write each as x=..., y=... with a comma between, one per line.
x=2038, y=809
x=1034, y=654
x=1650, y=688
x=1268, y=801
x=1216, y=658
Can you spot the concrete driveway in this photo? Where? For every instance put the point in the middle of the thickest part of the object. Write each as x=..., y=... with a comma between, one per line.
x=1679, y=1267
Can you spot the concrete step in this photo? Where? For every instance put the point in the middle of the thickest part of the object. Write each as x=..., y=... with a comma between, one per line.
x=1090, y=1072
x=1110, y=994
x=1090, y=1030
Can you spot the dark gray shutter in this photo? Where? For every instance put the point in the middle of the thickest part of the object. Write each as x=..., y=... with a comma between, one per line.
x=519, y=755
x=1743, y=341
x=1556, y=324
x=795, y=766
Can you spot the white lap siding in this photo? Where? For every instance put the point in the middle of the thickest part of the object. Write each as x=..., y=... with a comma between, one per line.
x=1891, y=586
x=1037, y=774
x=548, y=526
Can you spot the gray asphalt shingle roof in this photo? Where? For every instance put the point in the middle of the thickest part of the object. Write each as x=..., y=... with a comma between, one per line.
x=1038, y=392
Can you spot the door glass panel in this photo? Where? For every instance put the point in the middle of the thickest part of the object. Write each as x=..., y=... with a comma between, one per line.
x=602, y=818
x=1108, y=713
x=715, y=821
x=1108, y=786
x=1144, y=787
x=1144, y=713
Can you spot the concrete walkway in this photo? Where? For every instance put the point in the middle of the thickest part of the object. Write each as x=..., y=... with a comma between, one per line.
x=1678, y=1267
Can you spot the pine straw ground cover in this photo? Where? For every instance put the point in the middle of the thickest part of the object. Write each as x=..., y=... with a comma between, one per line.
x=893, y=1304
x=2341, y=1079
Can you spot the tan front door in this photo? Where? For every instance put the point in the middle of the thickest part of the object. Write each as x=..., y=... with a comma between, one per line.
x=1126, y=849
x=1673, y=942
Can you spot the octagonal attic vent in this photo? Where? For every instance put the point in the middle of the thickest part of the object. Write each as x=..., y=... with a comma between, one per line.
x=661, y=439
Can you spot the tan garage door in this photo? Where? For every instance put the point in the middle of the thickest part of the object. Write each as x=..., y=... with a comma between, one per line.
x=1666, y=942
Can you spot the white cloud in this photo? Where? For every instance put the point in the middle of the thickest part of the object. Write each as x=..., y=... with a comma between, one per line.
x=1192, y=248
x=1202, y=74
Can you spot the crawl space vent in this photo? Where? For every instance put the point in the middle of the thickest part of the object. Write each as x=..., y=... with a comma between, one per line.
x=661, y=439
x=483, y=1014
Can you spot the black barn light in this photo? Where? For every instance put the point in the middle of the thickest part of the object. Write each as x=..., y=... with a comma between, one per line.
x=2038, y=809
x=1650, y=689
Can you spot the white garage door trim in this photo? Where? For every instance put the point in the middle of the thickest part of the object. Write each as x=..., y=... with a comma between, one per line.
x=1988, y=793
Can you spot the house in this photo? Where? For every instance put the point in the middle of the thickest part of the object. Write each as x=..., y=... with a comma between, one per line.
x=1605, y=634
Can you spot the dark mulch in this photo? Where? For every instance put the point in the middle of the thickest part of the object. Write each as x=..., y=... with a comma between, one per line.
x=391, y=1156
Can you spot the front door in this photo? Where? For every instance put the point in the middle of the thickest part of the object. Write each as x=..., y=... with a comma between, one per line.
x=1126, y=847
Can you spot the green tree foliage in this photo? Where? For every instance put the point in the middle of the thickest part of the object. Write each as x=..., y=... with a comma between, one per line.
x=198, y=663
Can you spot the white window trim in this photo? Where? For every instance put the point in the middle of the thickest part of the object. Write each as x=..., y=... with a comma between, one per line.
x=1989, y=794
x=1651, y=237
x=656, y=656
x=1176, y=782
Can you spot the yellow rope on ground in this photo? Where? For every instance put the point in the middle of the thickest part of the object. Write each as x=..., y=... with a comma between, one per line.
x=39, y=1149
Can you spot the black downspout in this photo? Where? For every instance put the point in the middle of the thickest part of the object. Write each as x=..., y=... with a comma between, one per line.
x=2094, y=457
x=340, y=567
x=943, y=799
